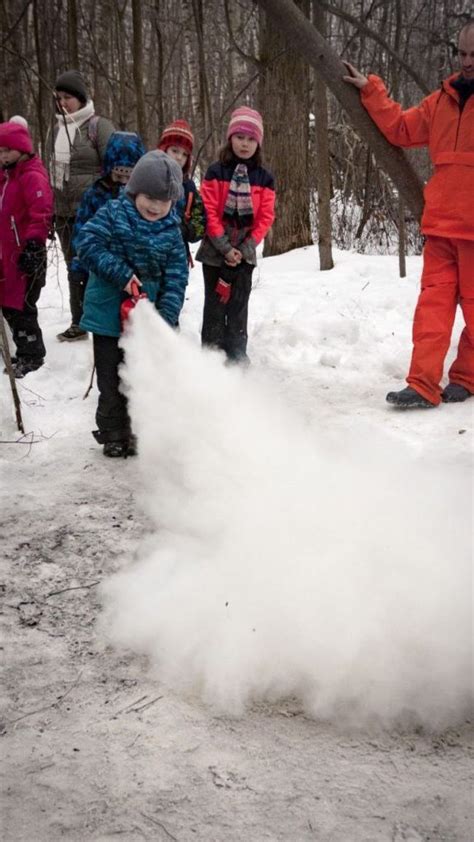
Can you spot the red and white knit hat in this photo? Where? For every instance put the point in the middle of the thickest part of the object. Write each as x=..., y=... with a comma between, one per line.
x=177, y=133
x=246, y=121
x=14, y=136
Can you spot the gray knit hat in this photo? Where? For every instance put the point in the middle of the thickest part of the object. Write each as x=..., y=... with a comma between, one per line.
x=157, y=175
x=72, y=82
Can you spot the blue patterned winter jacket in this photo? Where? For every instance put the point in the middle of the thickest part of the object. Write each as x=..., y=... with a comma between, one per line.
x=117, y=243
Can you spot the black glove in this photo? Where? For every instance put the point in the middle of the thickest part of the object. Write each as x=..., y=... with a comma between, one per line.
x=32, y=260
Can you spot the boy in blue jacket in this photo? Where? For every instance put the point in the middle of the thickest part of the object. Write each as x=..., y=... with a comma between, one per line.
x=136, y=237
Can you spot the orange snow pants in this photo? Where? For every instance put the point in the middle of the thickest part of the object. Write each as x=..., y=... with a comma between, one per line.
x=447, y=279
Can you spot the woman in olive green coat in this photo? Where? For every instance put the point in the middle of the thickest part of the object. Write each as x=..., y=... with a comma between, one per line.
x=80, y=139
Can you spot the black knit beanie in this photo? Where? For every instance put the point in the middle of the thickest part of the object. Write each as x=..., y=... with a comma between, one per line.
x=72, y=82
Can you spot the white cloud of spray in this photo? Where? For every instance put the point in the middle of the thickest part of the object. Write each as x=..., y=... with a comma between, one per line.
x=286, y=562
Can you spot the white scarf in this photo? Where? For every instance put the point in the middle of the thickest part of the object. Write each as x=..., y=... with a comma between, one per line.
x=68, y=125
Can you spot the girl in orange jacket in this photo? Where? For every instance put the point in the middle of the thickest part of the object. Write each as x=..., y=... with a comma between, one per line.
x=239, y=199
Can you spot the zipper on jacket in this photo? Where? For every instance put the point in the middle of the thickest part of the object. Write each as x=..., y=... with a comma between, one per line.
x=461, y=112
x=7, y=177
x=15, y=230
x=458, y=127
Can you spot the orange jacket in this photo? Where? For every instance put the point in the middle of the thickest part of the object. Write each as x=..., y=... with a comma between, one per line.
x=439, y=123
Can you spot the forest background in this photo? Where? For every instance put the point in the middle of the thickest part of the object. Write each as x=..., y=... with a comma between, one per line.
x=148, y=62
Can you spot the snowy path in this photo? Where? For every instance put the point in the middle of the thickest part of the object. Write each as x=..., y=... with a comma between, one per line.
x=95, y=746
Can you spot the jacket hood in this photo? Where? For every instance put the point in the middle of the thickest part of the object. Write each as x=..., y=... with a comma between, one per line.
x=16, y=136
x=123, y=149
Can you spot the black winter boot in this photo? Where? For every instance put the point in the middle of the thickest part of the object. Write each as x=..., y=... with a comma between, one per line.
x=123, y=447
x=24, y=365
x=408, y=399
x=116, y=449
x=454, y=393
x=72, y=334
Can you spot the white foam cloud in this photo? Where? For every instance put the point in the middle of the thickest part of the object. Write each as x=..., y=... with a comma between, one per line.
x=285, y=561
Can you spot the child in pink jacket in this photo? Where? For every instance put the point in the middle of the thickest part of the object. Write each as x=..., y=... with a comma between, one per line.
x=26, y=210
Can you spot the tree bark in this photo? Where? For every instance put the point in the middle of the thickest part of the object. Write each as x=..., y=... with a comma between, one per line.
x=204, y=97
x=301, y=35
x=42, y=110
x=402, y=264
x=323, y=164
x=138, y=68
x=286, y=121
x=72, y=43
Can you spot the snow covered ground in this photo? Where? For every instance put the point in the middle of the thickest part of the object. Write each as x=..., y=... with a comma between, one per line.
x=261, y=627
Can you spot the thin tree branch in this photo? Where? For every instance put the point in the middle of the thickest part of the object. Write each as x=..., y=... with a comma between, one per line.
x=362, y=27
x=252, y=59
x=17, y=22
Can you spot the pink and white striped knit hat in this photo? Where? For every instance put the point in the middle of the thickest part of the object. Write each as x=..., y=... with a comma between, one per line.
x=246, y=121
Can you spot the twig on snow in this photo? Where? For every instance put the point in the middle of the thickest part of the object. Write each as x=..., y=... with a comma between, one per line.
x=146, y=705
x=76, y=588
x=169, y=835
x=133, y=707
x=128, y=707
x=32, y=392
x=47, y=707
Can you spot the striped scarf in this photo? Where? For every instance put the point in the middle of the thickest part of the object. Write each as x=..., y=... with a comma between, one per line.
x=238, y=207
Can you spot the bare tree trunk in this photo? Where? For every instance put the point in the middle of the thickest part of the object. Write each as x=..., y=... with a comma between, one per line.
x=42, y=110
x=322, y=157
x=138, y=68
x=121, y=65
x=159, y=70
x=204, y=98
x=286, y=120
x=302, y=36
x=72, y=43
x=192, y=66
x=402, y=264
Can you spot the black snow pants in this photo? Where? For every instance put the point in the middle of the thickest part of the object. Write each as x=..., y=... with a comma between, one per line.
x=224, y=326
x=24, y=325
x=112, y=417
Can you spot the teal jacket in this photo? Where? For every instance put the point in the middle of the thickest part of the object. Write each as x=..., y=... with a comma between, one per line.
x=118, y=243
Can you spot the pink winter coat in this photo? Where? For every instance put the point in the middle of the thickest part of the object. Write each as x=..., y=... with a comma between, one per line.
x=26, y=211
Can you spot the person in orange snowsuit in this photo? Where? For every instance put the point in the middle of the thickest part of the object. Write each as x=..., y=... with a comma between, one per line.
x=443, y=121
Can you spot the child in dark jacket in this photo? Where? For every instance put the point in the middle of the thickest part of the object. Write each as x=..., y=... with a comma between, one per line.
x=26, y=211
x=239, y=199
x=123, y=151
x=135, y=238
x=177, y=140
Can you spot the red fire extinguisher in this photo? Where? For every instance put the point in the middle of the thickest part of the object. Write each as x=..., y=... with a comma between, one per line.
x=130, y=303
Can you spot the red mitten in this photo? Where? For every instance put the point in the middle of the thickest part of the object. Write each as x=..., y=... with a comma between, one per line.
x=223, y=290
